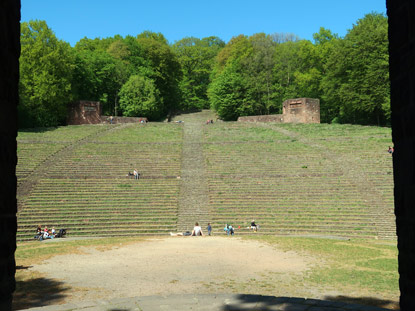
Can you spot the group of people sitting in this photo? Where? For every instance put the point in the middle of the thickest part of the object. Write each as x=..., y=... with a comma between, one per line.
x=231, y=230
x=209, y=122
x=43, y=234
x=197, y=230
x=134, y=174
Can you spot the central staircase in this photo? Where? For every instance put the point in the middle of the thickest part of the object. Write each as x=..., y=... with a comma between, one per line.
x=193, y=198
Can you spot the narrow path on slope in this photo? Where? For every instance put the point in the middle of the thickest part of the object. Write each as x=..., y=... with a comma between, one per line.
x=193, y=199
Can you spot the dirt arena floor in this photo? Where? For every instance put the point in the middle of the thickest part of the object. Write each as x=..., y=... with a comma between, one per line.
x=182, y=265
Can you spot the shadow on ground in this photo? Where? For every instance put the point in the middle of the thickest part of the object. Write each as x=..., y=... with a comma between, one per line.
x=23, y=267
x=271, y=303
x=38, y=129
x=38, y=292
x=368, y=301
x=203, y=302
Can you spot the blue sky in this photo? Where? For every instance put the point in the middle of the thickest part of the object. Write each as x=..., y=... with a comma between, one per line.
x=71, y=20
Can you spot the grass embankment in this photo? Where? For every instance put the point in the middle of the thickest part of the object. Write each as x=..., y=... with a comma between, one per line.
x=301, y=178
x=37, y=144
x=85, y=189
x=291, y=178
x=366, y=271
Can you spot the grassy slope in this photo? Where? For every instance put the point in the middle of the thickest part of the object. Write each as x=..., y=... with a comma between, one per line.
x=359, y=267
x=85, y=188
x=293, y=179
x=332, y=179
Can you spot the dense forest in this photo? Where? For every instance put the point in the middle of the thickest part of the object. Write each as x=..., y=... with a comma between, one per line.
x=145, y=75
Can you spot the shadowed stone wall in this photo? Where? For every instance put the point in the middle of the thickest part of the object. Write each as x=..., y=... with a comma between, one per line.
x=401, y=15
x=84, y=112
x=9, y=81
x=90, y=112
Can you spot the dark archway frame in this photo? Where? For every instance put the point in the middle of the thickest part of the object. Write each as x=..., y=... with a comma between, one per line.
x=401, y=15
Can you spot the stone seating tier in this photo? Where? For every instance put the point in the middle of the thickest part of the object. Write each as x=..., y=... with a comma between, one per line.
x=290, y=178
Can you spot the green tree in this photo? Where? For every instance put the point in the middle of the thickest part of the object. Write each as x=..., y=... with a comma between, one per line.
x=228, y=90
x=46, y=65
x=97, y=44
x=139, y=97
x=324, y=36
x=245, y=63
x=156, y=36
x=98, y=76
x=358, y=75
x=307, y=77
x=327, y=47
x=163, y=68
x=227, y=95
x=104, y=65
x=286, y=63
x=257, y=68
x=119, y=50
x=196, y=58
x=235, y=50
x=123, y=69
x=132, y=54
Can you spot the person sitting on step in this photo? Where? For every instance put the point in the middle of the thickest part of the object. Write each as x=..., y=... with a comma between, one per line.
x=39, y=232
x=229, y=229
x=253, y=225
x=197, y=230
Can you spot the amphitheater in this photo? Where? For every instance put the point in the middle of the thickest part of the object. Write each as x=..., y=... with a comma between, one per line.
x=293, y=179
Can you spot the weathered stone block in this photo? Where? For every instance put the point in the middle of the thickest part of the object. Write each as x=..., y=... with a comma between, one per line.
x=298, y=110
x=301, y=110
x=84, y=112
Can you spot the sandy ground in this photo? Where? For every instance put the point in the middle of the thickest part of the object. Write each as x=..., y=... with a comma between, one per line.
x=176, y=265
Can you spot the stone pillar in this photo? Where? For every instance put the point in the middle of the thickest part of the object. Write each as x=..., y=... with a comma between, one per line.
x=402, y=75
x=9, y=81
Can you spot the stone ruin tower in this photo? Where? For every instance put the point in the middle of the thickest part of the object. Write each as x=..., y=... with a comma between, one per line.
x=301, y=110
x=297, y=110
x=84, y=112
